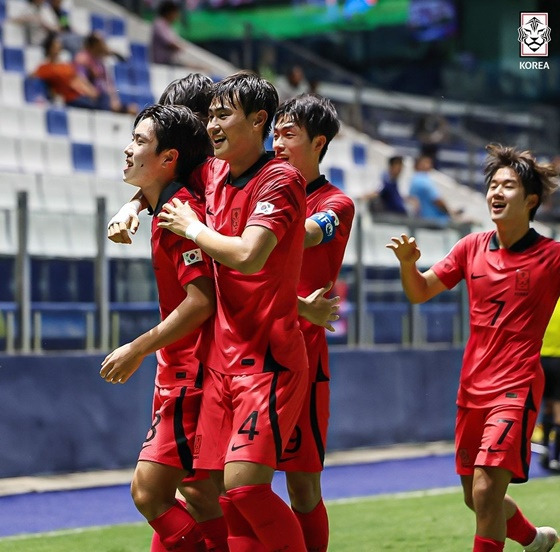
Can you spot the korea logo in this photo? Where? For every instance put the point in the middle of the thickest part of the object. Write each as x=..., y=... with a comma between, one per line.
x=264, y=207
x=192, y=256
x=533, y=34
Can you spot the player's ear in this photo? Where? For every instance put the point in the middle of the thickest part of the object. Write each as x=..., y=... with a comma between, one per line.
x=260, y=118
x=169, y=157
x=319, y=143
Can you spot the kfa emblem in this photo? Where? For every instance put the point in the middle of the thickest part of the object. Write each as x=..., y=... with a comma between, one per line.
x=235, y=219
x=522, y=280
x=533, y=34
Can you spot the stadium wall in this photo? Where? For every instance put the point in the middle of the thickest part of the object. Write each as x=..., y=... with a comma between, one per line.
x=59, y=416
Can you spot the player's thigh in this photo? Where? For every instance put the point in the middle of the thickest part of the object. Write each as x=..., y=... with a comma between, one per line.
x=469, y=428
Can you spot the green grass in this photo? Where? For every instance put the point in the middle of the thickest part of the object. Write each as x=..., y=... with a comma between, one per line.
x=415, y=523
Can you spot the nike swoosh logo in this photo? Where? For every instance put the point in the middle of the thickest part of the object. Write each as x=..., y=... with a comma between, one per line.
x=490, y=449
x=208, y=212
x=477, y=276
x=286, y=459
x=145, y=446
x=237, y=447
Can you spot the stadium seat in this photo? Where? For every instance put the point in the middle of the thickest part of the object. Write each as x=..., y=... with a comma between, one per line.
x=13, y=35
x=58, y=156
x=116, y=26
x=35, y=90
x=11, y=122
x=359, y=153
x=32, y=57
x=109, y=160
x=114, y=128
x=336, y=177
x=11, y=89
x=2, y=12
x=83, y=234
x=82, y=157
x=80, y=124
x=57, y=121
x=139, y=54
x=388, y=321
x=32, y=155
x=49, y=235
x=13, y=60
x=12, y=183
x=34, y=122
x=441, y=321
x=9, y=158
x=67, y=193
x=159, y=78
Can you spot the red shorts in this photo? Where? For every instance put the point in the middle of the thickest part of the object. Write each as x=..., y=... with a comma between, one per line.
x=305, y=451
x=247, y=418
x=499, y=436
x=170, y=438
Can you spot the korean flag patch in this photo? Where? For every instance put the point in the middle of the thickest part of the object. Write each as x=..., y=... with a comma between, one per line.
x=192, y=256
x=264, y=207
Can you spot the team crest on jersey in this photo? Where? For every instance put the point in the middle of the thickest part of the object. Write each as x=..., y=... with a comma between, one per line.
x=522, y=280
x=192, y=256
x=235, y=219
x=264, y=207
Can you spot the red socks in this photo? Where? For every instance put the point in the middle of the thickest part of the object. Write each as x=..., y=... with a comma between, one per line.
x=315, y=527
x=215, y=534
x=241, y=537
x=271, y=518
x=178, y=531
x=520, y=529
x=482, y=544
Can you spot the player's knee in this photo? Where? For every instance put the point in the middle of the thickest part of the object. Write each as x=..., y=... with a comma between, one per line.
x=468, y=499
x=304, y=492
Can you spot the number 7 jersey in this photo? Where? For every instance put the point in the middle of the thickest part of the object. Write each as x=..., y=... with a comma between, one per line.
x=512, y=294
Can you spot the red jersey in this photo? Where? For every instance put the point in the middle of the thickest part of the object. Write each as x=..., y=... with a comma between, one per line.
x=177, y=261
x=321, y=263
x=512, y=294
x=256, y=325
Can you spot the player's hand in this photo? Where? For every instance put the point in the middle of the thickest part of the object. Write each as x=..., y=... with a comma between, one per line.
x=124, y=223
x=405, y=249
x=320, y=310
x=176, y=216
x=119, y=365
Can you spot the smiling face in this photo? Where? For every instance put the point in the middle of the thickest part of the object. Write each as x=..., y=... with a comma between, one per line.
x=291, y=143
x=142, y=161
x=506, y=198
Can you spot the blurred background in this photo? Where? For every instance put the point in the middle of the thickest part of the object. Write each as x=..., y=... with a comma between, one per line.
x=432, y=78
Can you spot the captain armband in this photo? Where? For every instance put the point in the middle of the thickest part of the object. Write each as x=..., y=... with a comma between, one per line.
x=327, y=221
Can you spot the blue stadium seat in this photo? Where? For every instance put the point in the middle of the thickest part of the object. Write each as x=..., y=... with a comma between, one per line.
x=35, y=90
x=57, y=121
x=139, y=54
x=440, y=321
x=139, y=75
x=82, y=157
x=97, y=23
x=117, y=27
x=359, y=154
x=388, y=321
x=336, y=177
x=13, y=60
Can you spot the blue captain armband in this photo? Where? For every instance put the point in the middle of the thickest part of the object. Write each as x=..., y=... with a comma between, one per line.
x=327, y=221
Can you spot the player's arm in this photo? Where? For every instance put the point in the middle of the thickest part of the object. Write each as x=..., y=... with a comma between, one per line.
x=418, y=286
x=126, y=221
x=246, y=253
x=318, y=309
x=199, y=305
x=320, y=228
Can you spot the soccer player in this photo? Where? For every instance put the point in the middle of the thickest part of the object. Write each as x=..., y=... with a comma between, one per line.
x=512, y=290
x=256, y=358
x=168, y=143
x=304, y=128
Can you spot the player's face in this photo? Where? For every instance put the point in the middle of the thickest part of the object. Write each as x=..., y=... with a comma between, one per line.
x=230, y=130
x=142, y=162
x=506, y=197
x=292, y=143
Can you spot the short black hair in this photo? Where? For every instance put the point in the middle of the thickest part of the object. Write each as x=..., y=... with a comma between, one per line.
x=167, y=7
x=317, y=115
x=535, y=178
x=251, y=92
x=395, y=160
x=193, y=91
x=177, y=127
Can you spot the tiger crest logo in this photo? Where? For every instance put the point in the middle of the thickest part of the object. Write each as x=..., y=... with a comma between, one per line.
x=533, y=34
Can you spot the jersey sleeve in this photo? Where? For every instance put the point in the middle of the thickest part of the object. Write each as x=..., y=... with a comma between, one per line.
x=451, y=269
x=343, y=208
x=190, y=261
x=279, y=201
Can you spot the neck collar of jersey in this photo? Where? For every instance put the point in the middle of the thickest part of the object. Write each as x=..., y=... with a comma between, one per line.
x=242, y=180
x=167, y=193
x=315, y=184
x=519, y=246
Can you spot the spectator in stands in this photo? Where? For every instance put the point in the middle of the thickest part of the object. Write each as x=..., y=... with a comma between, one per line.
x=423, y=190
x=64, y=81
x=71, y=41
x=166, y=45
x=388, y=198
x=431, y=131
x=90, y=63
x=550, y=360
x=39, y=21
x=293, y=84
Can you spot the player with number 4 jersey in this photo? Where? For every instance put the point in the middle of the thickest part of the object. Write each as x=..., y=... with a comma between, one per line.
x=509, y=273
